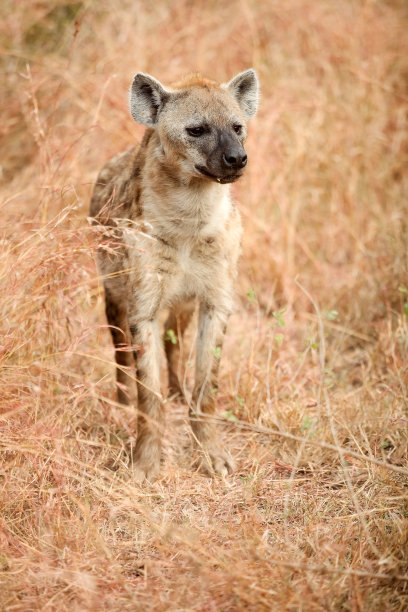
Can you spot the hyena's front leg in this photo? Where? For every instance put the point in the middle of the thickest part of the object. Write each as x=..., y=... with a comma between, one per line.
x=211, y=330
x=147, y=455
x=174, y=328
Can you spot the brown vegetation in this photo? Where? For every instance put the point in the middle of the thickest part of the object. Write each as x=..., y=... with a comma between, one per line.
x=313, y=393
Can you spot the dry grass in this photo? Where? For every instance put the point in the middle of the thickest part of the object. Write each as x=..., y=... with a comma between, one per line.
x=314, y=377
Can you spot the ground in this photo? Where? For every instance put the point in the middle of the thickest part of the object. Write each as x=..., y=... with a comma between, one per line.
x=313, y=400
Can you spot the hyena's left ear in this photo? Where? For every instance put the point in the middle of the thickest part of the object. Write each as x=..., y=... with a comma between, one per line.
x=146, y=98
x=245, y=89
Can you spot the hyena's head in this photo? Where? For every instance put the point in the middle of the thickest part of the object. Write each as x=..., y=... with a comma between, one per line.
x=201, y=124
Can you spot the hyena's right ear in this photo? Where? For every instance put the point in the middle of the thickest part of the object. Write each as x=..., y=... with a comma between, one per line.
x=244, y=87
x=146, y=98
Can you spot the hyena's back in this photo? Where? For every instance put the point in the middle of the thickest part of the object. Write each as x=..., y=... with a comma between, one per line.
x=117, y=190
x=115, y=201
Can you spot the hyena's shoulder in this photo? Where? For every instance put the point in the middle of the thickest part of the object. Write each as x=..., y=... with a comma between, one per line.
x=117, y=189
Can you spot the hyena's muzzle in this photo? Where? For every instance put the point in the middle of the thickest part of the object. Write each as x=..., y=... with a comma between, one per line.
x=225, y=163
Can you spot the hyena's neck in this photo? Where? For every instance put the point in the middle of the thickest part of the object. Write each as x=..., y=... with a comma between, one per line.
x=178, y=203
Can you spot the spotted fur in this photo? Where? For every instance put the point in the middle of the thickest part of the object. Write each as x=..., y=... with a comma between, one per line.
x=174, y=239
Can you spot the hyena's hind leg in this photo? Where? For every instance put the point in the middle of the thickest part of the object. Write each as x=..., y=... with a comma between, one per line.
x=116, y=313
x=174, y=328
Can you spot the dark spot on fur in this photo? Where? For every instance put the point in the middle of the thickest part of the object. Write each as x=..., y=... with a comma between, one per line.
x=164, y=271
x=133, y=329
x=181, y=95
x=163, y=241
x=209, y=309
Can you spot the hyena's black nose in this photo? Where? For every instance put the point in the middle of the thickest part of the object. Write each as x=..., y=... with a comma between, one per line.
x=235, y=158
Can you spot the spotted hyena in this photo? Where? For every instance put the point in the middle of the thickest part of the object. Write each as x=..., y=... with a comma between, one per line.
x=175, y=239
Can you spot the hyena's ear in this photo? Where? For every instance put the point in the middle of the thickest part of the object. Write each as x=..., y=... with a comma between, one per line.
x=245, y=89
x=146, y=98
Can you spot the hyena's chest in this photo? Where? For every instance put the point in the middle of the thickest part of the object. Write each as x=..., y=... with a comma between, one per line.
x=197, y=268
x=187, y=253
x=188, y=269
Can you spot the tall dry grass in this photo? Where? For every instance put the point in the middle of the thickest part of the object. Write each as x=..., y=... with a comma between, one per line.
x=313, y=400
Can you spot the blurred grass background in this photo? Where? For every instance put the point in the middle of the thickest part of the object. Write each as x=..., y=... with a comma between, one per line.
x=317, y=348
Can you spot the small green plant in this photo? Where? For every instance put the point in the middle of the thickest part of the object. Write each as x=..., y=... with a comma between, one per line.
x=251, y=295
x=170, y=335
x=278, y=315
x=217, y=352
x=308, y=423
x=312, y=343
x=229, y=415
x=240, y=401
x=279, y=339
x=277, y=336
x=246, y=478
x=331, y=315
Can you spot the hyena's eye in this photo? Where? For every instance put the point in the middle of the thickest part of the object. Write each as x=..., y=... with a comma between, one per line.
x=196, y=131
x=237, y=128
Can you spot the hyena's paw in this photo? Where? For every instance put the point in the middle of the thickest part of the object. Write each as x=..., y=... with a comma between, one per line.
x=215, y=461
x=145, y=472
x=176, y=393
x=146, y=462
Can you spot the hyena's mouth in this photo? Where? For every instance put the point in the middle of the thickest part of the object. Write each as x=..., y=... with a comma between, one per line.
x=220, y=179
